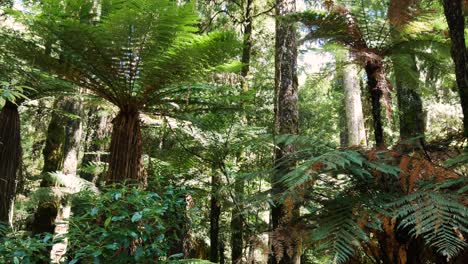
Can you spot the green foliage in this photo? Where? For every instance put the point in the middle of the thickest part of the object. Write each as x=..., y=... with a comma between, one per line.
x=458, y=160
x=437, y=217
x=22, y=247
x=11, y=91
x=125, y=224
x=133, y=53
x=338, y=230
x=319, y=159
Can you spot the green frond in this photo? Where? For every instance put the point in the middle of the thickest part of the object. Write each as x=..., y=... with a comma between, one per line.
x=439, y=219
x=337, y=230
x=126, y=52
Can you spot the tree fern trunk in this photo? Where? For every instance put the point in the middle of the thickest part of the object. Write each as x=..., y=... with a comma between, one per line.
x=125, y=162
x=454, y=14
x=375, y=94
x=10, y=157
x=286, y=122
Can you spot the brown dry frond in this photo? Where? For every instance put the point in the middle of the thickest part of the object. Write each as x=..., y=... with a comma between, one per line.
x=401, y=12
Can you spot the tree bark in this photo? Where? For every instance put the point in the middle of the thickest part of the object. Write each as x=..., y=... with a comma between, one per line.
x=353, y=105
x=237, y=221
x=237, y=226
x=125, y=162
x=97, y=130
x=372, y=69
x=60, y=154
x=53, y=151
x=215, y=212
x=10, y=158
x=286, y=122
x=409, y=104
x=71, y=148
x=453, y=10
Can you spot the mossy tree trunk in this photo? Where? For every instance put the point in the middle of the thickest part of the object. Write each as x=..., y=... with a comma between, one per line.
x=60, y=155
x=410, y=107
x=98, y=128
x=10, y=158
x=53, y=153
x=286, y=122
x=71, y=148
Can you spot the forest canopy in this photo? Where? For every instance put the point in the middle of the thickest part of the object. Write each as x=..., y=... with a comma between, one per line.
x=234, y=131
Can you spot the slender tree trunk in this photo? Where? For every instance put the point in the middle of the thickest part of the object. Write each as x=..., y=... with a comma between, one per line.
x=125, y=162
x=372, y=69
x=353, y=105
x=237, y=225
x=409, y=103
x=222, y=257
x=454, y=14
x=10, y=158
x=98, y=129
x=237, y=221
x=286, y=122
x=215, y=212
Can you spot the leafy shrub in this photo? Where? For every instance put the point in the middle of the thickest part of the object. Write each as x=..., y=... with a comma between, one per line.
x=126, y=225
x=22, y=247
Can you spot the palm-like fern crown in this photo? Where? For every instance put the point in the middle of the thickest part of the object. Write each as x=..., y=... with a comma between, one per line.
x=380, y=27
x=129, y=52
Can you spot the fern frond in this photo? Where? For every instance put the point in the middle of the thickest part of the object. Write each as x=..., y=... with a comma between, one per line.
x=337, y=230
x=438, y=218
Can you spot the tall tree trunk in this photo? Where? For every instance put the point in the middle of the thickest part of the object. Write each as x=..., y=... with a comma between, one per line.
x=237, y=220
x=60, y=154
x=372, y=70
x=10, y=158
x=71, y=148
x=53, y=153
x=215, y=212
x=286, y=122
x=409, y=103
x=353, y=105
x=125, y=162
x=73, y=132
x=97, y=130
x=454, y=14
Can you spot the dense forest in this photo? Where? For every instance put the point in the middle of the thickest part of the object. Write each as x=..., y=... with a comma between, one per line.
x=234, y=131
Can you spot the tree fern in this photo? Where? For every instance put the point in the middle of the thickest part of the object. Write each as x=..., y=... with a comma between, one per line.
x=340, y=233
x=439, y=219
x=140, y=55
